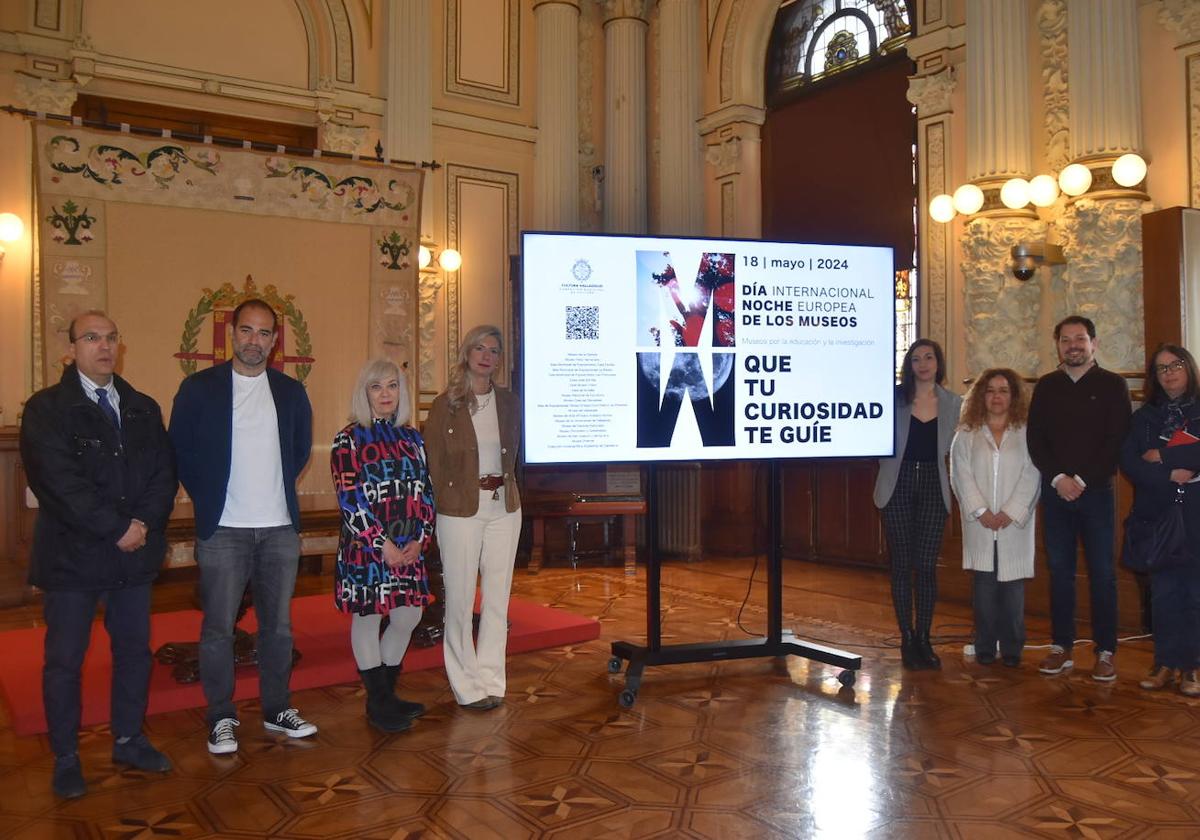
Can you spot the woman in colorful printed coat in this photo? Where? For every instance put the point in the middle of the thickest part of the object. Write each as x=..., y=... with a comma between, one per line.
x=1161, y=457
x=473, y=433
x=997, y=487
x=386, y=499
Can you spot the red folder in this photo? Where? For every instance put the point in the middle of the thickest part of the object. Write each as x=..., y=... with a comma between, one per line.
x=1182, y=438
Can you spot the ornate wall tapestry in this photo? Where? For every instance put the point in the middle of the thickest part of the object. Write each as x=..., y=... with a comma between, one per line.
x=168, y=237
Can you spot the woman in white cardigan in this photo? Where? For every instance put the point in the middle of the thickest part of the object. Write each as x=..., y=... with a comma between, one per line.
x=997, y=488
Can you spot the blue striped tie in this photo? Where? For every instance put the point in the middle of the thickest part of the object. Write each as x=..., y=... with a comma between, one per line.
x=106, y=407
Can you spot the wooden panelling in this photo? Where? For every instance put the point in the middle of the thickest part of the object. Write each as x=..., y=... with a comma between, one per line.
x=860, y=190
x=16, y=521
x=187, y=121
x=798, y=496
x=829, y=517
x=1169, y=263
x=734, y=508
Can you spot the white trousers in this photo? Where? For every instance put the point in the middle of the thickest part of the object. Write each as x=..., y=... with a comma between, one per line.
x=482, y=547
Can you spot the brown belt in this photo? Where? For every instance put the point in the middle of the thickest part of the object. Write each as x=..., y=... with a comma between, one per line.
x=491, y=482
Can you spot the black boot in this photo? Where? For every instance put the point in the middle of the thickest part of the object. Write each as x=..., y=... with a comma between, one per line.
x=926, y=651
x=404, y=707
x=380, y=712
x=910, y=657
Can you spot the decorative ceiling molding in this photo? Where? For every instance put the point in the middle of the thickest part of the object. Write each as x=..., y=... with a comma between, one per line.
x=348, y=139
x=1181, y=17
x=343, y=41
x=729, y=115
x=615, y=9
x=484, y=125
x=49, y=96
x=931, y=94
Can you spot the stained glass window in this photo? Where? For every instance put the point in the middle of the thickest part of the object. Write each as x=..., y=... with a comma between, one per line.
x=906, y=315
x=814, y=39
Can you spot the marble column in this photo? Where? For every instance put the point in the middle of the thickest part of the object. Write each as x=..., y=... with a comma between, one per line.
x=401, y=313
x=408, y=115
x=681, y=212
x=998, y=90
x=1101, y=231
x=997, y=307
x=681, y=170
x=625, y=188
x=556, y=158
x=1106, y=101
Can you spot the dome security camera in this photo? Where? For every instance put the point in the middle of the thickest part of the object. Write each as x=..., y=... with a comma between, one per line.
x=1029, y=256
x=1023, y=268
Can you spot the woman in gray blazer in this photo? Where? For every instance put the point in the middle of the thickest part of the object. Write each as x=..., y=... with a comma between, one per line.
x=913, y=492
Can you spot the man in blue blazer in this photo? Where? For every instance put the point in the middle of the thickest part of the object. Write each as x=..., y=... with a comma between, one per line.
x=242, y=433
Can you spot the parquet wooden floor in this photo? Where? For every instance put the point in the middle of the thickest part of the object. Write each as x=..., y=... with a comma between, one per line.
x=749, y=749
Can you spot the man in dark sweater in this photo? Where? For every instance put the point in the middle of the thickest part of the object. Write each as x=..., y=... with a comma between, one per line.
x=1077, y=419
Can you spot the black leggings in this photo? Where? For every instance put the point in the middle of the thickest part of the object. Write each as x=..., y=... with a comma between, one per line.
x=913, y=520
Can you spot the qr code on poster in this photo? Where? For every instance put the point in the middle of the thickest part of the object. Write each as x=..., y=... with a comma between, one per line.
x=583, y=323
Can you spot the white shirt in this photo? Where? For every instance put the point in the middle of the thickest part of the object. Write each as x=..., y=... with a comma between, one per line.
x=89, y=388
x=254, y=497
x=487, y=435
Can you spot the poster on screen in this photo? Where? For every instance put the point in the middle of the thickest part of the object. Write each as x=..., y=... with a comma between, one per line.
x=671, y=349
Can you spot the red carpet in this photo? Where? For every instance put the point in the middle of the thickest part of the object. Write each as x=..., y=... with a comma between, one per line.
x=322, y=635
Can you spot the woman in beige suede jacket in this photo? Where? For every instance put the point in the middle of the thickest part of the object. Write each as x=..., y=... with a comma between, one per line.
x=472, y=437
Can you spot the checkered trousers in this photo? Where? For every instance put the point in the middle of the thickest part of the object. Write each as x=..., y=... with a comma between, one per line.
x=913, y=520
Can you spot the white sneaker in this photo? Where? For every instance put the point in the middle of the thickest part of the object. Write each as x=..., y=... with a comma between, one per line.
x=221, y=739
x=290, y=724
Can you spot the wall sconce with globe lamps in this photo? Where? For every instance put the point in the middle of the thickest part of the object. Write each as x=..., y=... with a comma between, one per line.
x=448, y=259
x=1125, y=173
x=1076, y=179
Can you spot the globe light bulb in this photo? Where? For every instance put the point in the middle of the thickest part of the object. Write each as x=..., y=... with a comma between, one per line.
x=424, y=257
x=1075, y=179
x=1015, y=193
x=941, y=208
x=450, y=260
x=968, y=199
x=1043, y=190
x=11, y=227
x=1129, y=170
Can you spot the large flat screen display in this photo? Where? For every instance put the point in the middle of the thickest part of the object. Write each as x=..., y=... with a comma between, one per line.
x=660, y=349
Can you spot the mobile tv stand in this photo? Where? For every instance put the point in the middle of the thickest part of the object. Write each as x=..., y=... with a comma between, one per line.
x=777, y=642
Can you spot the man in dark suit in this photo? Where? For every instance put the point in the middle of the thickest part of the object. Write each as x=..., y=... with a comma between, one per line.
x=242, y=434
x=101, y=467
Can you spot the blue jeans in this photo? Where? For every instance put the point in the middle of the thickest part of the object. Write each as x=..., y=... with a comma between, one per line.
x=999, y=613
x=1175, y=606
x=268, y=559
x=1090, y=517
x=69, y=615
